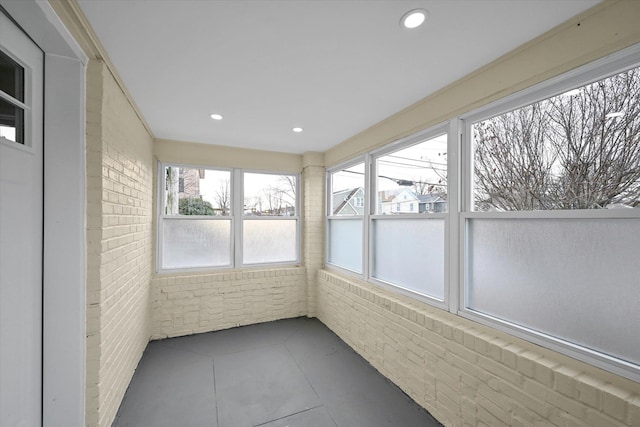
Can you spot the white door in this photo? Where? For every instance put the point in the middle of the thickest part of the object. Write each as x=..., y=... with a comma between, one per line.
x=21, y=213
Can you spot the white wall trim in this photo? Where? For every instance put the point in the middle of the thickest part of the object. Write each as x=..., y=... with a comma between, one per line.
x=64, y=268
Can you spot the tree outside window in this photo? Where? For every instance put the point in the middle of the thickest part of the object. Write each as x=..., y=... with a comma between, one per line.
x=577, y=150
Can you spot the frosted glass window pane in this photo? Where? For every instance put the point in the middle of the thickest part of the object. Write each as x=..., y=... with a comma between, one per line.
x=410, y=254
x=269, y=241
x=345, y=244
x=575, y=279
x=269, y=194
x=413, y=179
x=196, y=243
x=347, y=191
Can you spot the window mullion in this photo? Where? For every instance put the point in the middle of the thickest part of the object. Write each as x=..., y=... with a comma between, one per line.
x=368, y=206
x=160, y=201
x=237, y=213
x=452, y=227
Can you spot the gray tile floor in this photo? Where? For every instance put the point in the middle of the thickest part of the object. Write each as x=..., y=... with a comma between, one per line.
x=293, y=372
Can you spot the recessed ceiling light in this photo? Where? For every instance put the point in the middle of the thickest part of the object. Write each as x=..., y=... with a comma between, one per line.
x=414, y=18
x=216, y=117
x=297, y=130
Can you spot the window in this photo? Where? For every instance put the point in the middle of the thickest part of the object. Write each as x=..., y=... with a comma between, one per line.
x=398, y=240
x=407, y=247
x=12, y=107
x=270, y=221
x=196, y=226
x=345, y=216
x=523, y=215
x=551, y=229
x=203, y=226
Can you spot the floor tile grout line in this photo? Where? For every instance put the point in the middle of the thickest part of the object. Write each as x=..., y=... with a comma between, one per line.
x=171, y=347
x=257, y=347
x=215, y=391
x=302, y=372
x=290, y=415
x=324, y=404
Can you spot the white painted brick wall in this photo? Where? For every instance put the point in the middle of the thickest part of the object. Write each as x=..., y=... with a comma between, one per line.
x=466, y=374
x=119, y=243
x=195, y=303
x=313, y=229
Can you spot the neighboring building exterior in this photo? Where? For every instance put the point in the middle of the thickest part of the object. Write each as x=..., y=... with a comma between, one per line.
x=434, y=203
x=405, y=200
x=399, y=200
x=189, y=182
x=348, y=202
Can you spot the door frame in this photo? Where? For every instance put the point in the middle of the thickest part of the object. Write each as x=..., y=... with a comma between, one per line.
x=64, y=253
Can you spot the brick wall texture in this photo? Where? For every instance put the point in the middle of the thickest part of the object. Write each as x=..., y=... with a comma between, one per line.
x=466, y=374
x=119, y=243
x=313, y=225
x=189, y=304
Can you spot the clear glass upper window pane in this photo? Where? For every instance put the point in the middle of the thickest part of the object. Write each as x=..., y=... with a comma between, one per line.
x=196, y=191
x=11, y=77
x=347, y=191
x=414, y=179
x=269, y=194
x=577, y=150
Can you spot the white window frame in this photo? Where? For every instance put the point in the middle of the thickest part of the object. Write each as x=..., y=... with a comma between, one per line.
x=370, y=215
x=239, y=207
x=461, y=205
x=236, y=217
x=331, y=217
x=600, y=69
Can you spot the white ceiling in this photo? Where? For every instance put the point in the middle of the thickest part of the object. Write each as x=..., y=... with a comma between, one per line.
x=332, y=67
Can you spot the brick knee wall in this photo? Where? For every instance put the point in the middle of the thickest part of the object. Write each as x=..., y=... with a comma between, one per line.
x=195, y=303
x=466, y=374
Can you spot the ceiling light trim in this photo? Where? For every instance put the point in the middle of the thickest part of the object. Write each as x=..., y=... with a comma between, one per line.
x=414, y=18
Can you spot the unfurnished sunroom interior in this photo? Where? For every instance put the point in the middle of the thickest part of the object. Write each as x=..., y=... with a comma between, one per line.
x=458, y=202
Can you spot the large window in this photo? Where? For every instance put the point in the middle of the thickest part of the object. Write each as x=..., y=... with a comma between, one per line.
x=389, y=225
x=523, y=215
x=552, y=225
x=211, y=218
